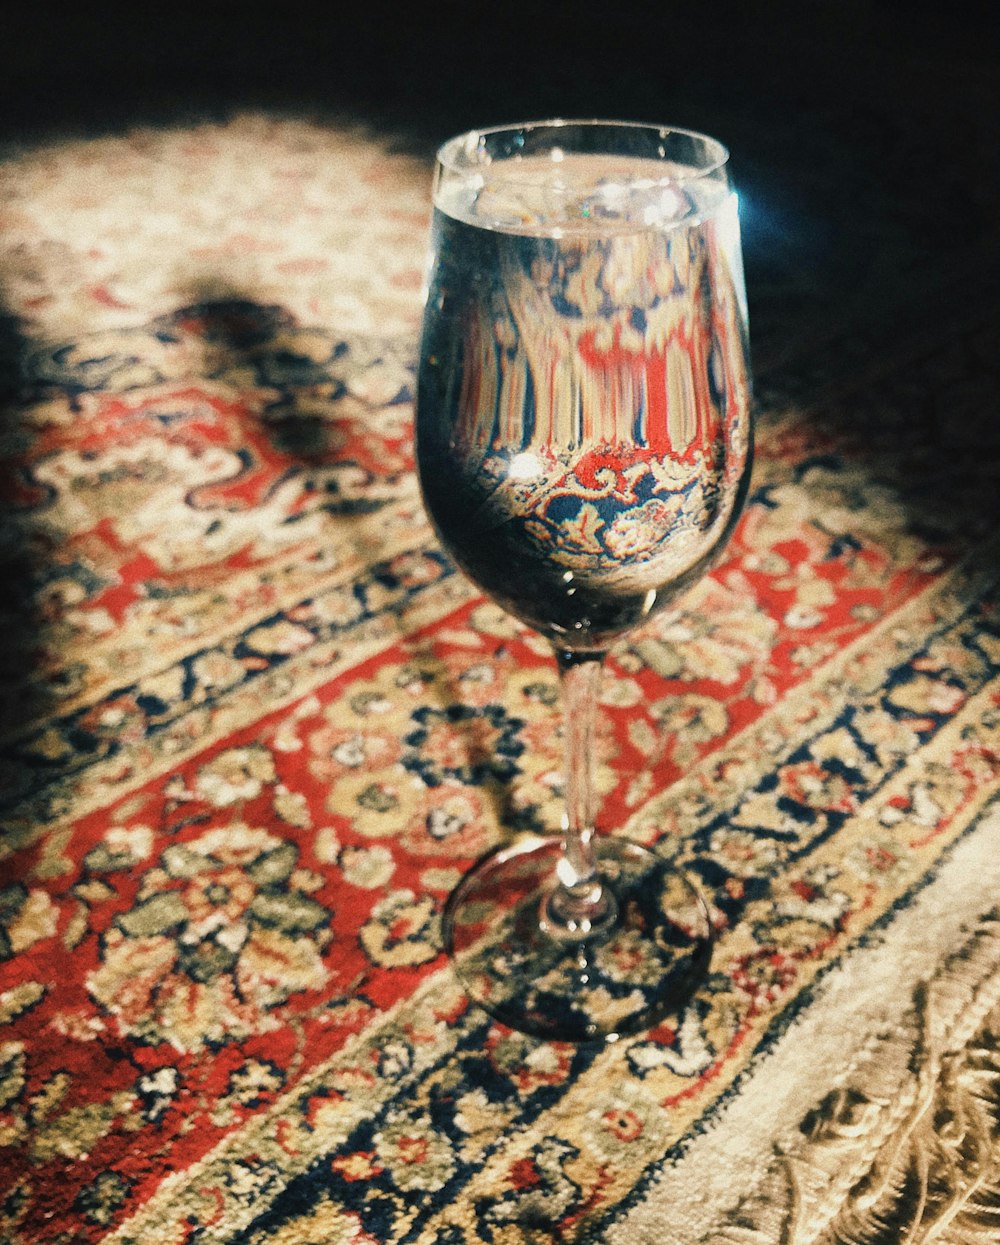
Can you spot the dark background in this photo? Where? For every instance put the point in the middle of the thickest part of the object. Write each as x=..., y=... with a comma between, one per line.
x=863, y=133
x=431, y=68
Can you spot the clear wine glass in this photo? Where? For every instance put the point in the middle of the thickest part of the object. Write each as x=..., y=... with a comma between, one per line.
x=583, y=439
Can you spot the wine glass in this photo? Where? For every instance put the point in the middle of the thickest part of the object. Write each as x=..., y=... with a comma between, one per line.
x=583, y=441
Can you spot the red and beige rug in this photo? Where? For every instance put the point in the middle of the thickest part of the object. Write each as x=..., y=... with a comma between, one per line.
x=256, y=727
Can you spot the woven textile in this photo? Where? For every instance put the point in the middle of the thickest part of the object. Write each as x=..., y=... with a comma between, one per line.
x=256, y=727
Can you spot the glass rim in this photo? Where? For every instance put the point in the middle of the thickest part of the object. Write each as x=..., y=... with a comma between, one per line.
x=454, y=154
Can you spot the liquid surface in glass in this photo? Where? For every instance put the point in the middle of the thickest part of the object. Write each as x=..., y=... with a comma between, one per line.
x=583, y=429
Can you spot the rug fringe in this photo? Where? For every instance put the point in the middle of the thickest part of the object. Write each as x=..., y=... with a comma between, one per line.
x=901, y=1149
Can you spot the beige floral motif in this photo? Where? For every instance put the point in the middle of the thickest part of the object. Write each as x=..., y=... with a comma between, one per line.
x=621, y=693
x=719, y=636
x=11, y=1078
x=475, y=679
x=927, y=695
x=250, y=1084
x=415, y=1154
x=879, y=858
x=528, y=1063
x=26, y=917
x=479, y=1117
x=336, y=750
x=324, y=1224
x=217, y=670
x=743, y=853
x=415, y=568
x=814, y=786
x=840, y=746
x=19, y=999
x=809, y=656
x=72, y=1134
x=761, y=809
x=807, y=908
x=367, y=867
x=692, y=719
x=283, y=638
x=627, y=537
x=926, y=805
x=424, y=753
x=380, y=804
x=616, y=1121
x=890, y=737
x=292, y=807
x=401, y=931
x=123, y=847
x=339, y=606
x=219, y=936
x=443, y=880
x=455, y=822
x=236, y=774
x=491, y=620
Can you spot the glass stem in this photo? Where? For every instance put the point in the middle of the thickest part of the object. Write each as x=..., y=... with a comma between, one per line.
x=580, y=905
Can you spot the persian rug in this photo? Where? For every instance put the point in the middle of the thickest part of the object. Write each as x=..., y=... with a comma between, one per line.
x=255, y=728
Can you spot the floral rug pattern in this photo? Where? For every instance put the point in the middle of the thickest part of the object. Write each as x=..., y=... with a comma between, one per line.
x=255, y=727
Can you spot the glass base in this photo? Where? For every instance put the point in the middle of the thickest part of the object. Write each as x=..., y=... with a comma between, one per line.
x=614, y=978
